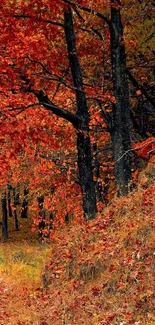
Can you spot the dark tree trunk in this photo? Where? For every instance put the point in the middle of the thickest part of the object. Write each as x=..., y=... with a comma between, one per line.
x=24, y=211
x=96, y=172
x=51, y=219
x=16, y=221
x=83, y=138
x=9, y=201
x=80, y=120
x=4, y=217
x=121, y=130
x=16, y=202
x=86, y=175
x=41, y=215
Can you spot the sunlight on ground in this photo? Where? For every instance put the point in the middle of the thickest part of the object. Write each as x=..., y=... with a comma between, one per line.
x=22, y=256
x=23, y=262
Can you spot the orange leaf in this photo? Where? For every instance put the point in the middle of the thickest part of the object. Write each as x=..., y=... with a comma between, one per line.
x=8, y=154
x=134, y=175
x=138, y=92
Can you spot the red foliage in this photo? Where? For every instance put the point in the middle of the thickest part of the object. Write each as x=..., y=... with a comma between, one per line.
x=145, y=148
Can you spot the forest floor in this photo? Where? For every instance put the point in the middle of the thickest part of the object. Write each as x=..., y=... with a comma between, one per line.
x=97, y=273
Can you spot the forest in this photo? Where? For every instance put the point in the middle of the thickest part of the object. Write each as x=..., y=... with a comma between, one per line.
x=77, y=162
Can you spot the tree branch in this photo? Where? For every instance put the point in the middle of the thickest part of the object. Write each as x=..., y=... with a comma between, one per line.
x=105, y=116
x=98, y=14
x=59, y=80
x=47, y=103
x=94, y=30
x=138, y=86
x=40, y=63
x=48, y=21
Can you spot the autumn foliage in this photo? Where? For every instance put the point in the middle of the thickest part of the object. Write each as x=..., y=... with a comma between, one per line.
x=77, y=142
x=97, y=273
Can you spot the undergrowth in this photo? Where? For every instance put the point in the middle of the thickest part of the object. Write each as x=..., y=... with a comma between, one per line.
x=102, y=272
x=97, y=273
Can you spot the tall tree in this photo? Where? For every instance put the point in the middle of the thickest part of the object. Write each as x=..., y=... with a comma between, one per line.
x=83, y=138
x=4, y=216
x=120, y=120
x=39, y=41
x=121, y=124
x=80, y=120
x=9, y=200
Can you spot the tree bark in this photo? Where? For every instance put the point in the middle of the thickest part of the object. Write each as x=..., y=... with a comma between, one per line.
x=24, y=211
x=9, y=201
x=121, y=130
x=4, y=217
x=83, y=138
x=16, y=202
x=41, y=216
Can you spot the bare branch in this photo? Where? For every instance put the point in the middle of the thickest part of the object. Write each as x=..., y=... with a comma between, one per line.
x=48, y=21
x=138, y=86
x=144, y=145
x=95, y=13
x=94, y=30
x=60, y=82
x=40, y=63
x=58, y=79
x=47, y=103
x=25, y=107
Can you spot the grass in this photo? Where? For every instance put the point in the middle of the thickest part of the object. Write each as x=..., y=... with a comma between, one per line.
x=23, y=262
x=22, y=256
x=96, y=273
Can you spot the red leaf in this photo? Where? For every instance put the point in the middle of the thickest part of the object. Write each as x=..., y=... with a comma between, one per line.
x=145, y=148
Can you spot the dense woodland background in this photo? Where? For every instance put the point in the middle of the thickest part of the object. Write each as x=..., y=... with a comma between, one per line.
x=77, y=155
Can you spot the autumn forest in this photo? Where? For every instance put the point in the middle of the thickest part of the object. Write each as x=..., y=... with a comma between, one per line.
x=77, y=162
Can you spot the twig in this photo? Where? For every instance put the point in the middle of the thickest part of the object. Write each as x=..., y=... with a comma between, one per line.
x=134, y=149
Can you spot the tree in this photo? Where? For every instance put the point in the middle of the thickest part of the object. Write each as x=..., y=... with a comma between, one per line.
x=80, y=121
x=35, y=65
x=83, y=138
x=4, y=216
x=121, y=128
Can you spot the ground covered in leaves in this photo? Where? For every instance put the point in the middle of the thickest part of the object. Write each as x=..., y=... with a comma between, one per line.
x=97, y=273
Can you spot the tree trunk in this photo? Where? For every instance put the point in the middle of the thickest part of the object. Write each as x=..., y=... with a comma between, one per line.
x=86, y=175
x=83, y=138
x=25, y=204
x=42, y=216
x=96, y=172
x=16, y=202
x=80, y=120
x=121, y=131
x=4, y=217
x=9, y=201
